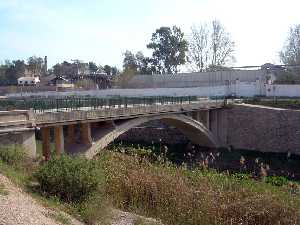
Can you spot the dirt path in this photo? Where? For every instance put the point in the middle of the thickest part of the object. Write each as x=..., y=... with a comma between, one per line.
x=18, y=208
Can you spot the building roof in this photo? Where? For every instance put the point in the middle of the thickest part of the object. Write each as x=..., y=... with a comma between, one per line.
x=28, y=78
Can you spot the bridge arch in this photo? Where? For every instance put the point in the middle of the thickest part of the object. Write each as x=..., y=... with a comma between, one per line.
x=192, y=129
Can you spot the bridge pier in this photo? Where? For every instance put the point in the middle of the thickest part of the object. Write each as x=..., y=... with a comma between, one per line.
x=59, y=139
x=46, y=142
x=85, y=134
x=71, y=134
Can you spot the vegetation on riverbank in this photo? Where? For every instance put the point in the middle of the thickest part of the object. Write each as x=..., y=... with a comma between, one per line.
x=157, y=188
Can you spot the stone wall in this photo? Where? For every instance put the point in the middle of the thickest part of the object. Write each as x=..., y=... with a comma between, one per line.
x=264, y=129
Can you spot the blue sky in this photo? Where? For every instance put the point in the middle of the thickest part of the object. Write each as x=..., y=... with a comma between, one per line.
x=101, y=30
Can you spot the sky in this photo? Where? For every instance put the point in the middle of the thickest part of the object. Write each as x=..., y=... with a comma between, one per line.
x=102, y=30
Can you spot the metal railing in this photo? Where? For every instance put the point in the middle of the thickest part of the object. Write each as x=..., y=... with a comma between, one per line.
x=40, y=105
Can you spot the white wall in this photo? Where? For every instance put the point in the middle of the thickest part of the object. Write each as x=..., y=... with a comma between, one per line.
x=246, y=89
x=239, y=89
x=196, y=79
x=282, y=90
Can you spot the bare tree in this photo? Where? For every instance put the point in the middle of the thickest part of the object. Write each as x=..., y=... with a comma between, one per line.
x=210, y=48
x=198, y=48
x=291, y=51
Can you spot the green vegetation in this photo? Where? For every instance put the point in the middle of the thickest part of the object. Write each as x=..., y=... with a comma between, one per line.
x=276, y=180
x=158, y=189
x=69, y=178
x=12, y=155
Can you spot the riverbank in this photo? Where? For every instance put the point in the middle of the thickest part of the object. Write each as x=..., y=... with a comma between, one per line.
x=155, y=187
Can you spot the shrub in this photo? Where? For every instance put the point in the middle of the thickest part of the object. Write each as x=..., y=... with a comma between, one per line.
x=13, y=155
x=276, y=180
x=71, y=179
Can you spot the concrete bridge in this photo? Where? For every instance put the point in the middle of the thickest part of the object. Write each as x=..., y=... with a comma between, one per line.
x=87, y=130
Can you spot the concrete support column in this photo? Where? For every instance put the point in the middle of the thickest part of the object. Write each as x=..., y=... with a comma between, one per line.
x=59, y=139
x=85, y=134
x=71, y=134
x=46, y=142
x=29, y=143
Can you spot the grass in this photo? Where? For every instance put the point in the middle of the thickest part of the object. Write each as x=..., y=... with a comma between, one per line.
x=60, y=217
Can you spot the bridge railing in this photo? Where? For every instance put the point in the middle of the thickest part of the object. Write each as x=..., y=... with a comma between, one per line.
x=40, y=105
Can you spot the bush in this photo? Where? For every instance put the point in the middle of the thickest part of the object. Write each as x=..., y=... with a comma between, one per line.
x=13, y=155
x=72, y=179
x=276, y=180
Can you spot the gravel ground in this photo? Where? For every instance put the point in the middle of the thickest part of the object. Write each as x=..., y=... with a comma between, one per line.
x=18, y=208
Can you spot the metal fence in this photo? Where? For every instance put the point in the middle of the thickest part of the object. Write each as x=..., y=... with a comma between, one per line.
x=89, y=103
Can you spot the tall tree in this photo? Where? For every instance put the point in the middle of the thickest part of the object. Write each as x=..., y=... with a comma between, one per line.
x=210, y=47
x=169, y=49
x=114, y=71
x=12, y=71
x=93, y=67
x=143, y=63
x=35, y=65
x=107, y=69
x=57, y=69
x=290, y=53
x=129, y=61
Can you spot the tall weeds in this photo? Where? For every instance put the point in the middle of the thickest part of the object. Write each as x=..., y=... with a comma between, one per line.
x=192, y=197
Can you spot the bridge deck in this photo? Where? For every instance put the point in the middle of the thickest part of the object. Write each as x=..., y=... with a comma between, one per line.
x=120, y=112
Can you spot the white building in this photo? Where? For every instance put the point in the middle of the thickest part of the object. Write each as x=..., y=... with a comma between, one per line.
x=25, y=81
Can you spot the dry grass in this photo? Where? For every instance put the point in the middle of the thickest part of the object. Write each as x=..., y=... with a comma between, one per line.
x=3, y=190
x=180, y=196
